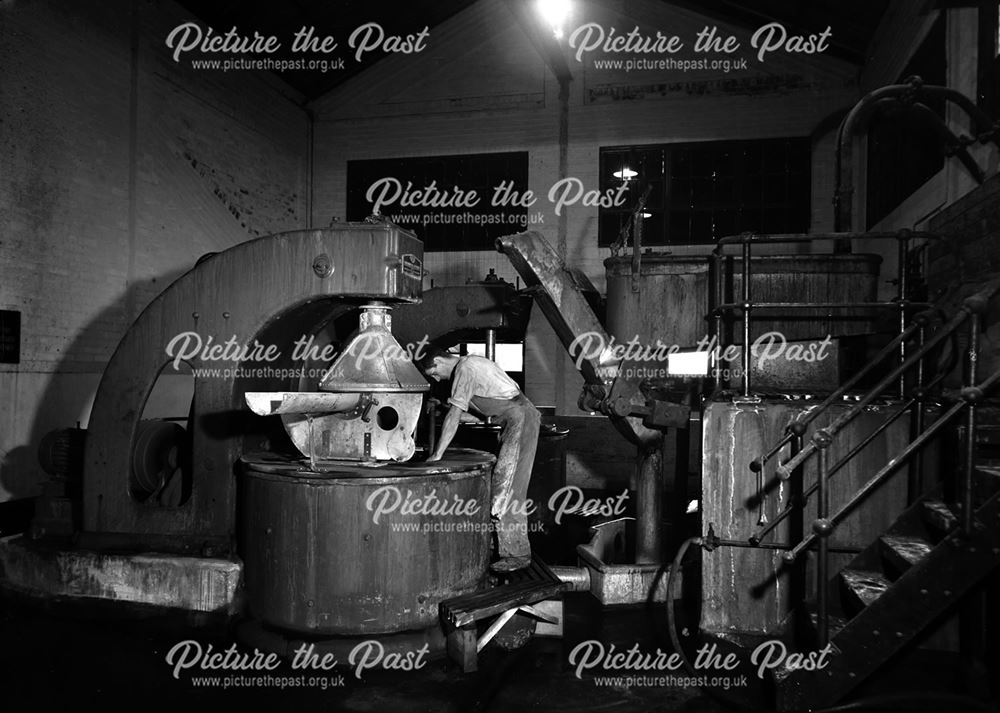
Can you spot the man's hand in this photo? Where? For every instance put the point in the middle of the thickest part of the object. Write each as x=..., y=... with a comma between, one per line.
x=448, y=429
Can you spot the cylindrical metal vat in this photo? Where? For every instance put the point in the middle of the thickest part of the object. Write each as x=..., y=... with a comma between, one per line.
x=673, y=295
x=345, y=553
x=750, y=591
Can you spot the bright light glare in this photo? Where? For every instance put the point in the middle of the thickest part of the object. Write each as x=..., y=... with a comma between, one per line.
x=509, y=357
x=688, y=363
x=554, y=12
x=625, y=174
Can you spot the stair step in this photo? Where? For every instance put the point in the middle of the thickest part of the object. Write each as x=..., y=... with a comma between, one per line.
x=836, y=623
x=864, y=587
x=990, y=474
x=904, y=551
x=938, y=515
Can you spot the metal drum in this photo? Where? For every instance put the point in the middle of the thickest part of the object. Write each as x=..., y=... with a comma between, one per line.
x=672, y=298
x=359, y=550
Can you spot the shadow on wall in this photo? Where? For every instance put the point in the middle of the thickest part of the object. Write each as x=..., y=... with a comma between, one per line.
x=66, y=394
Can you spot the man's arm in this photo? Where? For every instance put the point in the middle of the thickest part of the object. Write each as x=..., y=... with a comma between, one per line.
x=448, y=429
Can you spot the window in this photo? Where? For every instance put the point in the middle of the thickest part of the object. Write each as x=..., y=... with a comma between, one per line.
x=432, y=197
x=701, y=192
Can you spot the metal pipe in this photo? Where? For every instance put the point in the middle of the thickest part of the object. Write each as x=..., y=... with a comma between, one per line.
x=763, y=532
x=812, y=237
x=822, y=527
x=578, y=578
x=900, y=94
x=915, y=486
x=746, y=318
x=970, y=426
x=868, y=487
x=785, y=468
x=761, y=461
x=649, y=487
x=842, y=549
x=902, y=256
x=718, y=263
x=824, y=305
x=491, y=344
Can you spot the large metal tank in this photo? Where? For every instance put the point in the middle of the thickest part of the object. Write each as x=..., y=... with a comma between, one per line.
x=363, y=550
x=750, y=591
x=672, y=298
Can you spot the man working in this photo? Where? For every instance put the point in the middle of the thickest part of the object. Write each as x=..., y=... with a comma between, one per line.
x=480, y=385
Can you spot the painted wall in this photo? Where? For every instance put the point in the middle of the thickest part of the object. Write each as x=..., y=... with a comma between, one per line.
x=120, y=168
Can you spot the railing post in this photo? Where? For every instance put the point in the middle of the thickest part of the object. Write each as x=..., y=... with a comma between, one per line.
x=969, y=393
x=915, y=482
x=822, y=528
x=901, y=289
x=718, y=262
x=746, y=316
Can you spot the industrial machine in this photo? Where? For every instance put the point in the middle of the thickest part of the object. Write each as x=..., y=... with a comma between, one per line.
x=288, y=460
x=303, y=480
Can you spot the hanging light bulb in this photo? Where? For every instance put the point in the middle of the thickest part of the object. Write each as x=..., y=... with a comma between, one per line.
x=555, y=13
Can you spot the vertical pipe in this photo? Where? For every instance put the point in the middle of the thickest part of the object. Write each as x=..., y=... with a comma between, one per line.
x=648, y=545
x=491, y=344
x=970, y=623
x=970, y=426
x=720, y=296
x=797, y=583
x=559, y=360
x=915, y=485
x=746, y=317
x=901, y=290
x=678, y=508
x=822, y=563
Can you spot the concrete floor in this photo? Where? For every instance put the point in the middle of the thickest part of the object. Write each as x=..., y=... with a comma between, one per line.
x=106, y=658
x=109, y=657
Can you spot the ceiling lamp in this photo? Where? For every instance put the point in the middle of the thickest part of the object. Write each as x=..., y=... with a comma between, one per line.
x=555, y=13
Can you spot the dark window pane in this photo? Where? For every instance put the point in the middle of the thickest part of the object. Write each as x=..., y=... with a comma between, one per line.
x=444, y=220
x=713, y=189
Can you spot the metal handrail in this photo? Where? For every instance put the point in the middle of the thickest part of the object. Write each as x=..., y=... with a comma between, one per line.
x=824, y=524
x=894, y=304
x=822, y=530
x=778, y=239
x=747, y=305
x=823, y=436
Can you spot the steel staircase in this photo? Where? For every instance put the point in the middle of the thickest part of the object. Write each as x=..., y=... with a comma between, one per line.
x=935, y=552
x=897, y=587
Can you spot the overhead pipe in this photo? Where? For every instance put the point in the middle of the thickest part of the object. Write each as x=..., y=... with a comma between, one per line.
x=906, y=96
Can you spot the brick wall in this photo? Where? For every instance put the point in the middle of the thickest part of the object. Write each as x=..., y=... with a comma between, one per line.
x=966, y=260
x=120, y=169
